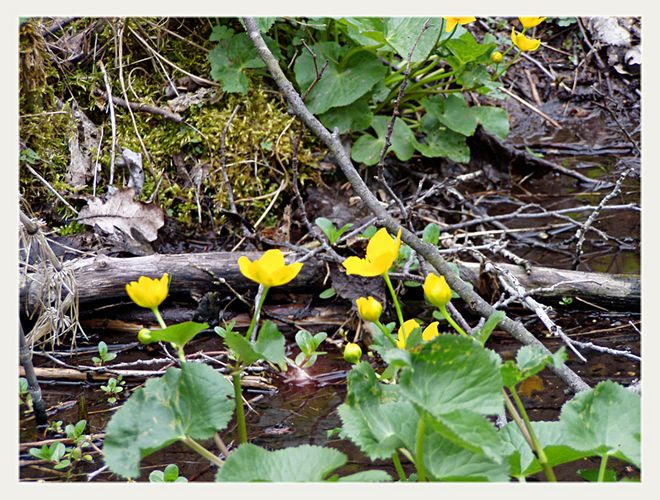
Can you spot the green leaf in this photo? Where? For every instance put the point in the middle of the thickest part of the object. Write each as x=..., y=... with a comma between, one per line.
x=367, y=476
x=494, y=120
x=156, y=476
x=242, y=347
x=232, y=56
x=327, y=226
x=604, y=420
x=365, y=31
x=305, y=341
x=264, y=23
x=103, y=349
x=347, y=77
x=591, y=475
x=483, y=334
x=179, y=334
x=453, y=112
x=353, y=117
x=446, y=461
x=466, y=49
x=402, y=33
x=367, y=148
x=373, y=417
x=193, y=401
x=327, y=293
x=431, y=233
x=551, y=438
x=452, y=373
x=170, y=473
x=444, y=143
x=300, y=464
x=471, y=431
x=270, y=344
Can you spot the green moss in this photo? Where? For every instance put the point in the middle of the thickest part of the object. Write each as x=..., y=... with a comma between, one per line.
x=258, y=150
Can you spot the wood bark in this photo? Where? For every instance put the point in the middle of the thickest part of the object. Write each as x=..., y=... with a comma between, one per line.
x=103, y=279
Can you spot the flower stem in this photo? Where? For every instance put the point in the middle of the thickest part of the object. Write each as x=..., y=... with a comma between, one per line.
x=159, y=318
x=602, y=468
x=386, y=332
x=419, y=451
x=399, y=315
x=257, y=312
x=451, y=321
x=240, y=412
x=194, y=445
x=538, y=449
x=397, y=465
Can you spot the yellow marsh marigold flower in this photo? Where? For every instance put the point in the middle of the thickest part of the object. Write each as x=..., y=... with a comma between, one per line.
x=523, y=43
x=369, y=308
x=352, y=353
x=436, y=290
x=453, y=21
x=147, y=292
x=496, y=57
x=530, y=22
x=409, y=326
x=382, y=251
x=269, y=270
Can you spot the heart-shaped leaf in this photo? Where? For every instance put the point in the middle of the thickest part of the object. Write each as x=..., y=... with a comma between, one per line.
x=194, y=401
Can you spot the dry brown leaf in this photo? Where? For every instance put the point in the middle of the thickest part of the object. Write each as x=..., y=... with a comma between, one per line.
x=121, y=211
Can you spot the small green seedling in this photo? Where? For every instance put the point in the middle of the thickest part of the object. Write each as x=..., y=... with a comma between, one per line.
x=329, y=229
x=55, y=427
x=308, y=345
x=169, y=475
x=114, y=387
x=104, y=356
x=53, y=454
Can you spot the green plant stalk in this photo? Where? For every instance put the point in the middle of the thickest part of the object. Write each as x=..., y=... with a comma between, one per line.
x=240, y=412
x=602, y=468
x=447, y=316
x=257, y=311
x=397, y=465
x=543, y=459
x=159, y=318
x=506, y=68
x=419, y=451
x=195, y=446
x=386, y=332
x=399, y=315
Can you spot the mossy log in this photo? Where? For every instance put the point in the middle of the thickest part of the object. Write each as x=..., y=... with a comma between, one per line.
x=103, y=279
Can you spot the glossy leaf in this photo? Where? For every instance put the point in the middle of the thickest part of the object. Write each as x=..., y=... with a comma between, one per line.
x=193, y=401
x=300, y=464
x=179, y=334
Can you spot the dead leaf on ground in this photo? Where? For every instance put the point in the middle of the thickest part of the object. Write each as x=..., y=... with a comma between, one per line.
x=120, y=211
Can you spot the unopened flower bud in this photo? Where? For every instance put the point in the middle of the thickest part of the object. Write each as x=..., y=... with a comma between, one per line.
x=437, y=290
x=369, y=308
x=144, y=336
x=496, y=56
x=352, y=353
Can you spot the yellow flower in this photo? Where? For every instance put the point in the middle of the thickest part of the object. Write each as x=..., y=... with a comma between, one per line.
x=437, y=290
x=530, y=22
x=269, y=270
x=453, y=21
x=352, y=353
x=431, y=331
x=382, y=251
x=369, y=308
x=523, y=43
x=496, y=57
x=404, y=332
x=147, y=292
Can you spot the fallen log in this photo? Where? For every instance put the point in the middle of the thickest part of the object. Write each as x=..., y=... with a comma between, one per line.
x=103, y=279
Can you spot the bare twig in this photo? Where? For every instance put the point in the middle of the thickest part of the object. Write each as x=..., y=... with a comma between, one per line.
x=146, y=108
x=223, y=162
x=113, y=122
x=33, y=384
x=582, y=231
x=536, y=110
x=319, y=74
x=426, y=250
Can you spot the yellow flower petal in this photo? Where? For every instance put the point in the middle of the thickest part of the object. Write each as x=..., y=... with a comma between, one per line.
x=369, y=308
x=431, y=331
x=530, y=22
x=147, y=292
x=270, y=269
x=404, y=332
x=453, y=21
x=523, y=43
